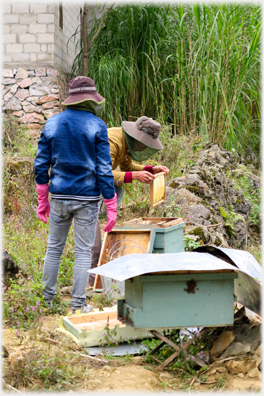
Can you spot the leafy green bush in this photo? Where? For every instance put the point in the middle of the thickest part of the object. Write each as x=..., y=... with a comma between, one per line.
x=16, y=140
x=195, y=66
x=189, y=243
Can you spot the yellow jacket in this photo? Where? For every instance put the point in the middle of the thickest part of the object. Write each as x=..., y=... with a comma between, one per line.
x=119, y=155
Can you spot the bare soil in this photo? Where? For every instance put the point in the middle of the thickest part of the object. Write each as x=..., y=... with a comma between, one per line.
x=131, y=374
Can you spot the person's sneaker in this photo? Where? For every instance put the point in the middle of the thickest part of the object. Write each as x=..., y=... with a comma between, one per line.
x=49, y=303
x=83, y=309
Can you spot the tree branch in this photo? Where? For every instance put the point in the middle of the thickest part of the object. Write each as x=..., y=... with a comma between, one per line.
x=99, y=27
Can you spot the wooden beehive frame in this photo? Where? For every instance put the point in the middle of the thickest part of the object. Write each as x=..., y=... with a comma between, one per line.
x=158, y=189
x=157, y=222
x=146, y=237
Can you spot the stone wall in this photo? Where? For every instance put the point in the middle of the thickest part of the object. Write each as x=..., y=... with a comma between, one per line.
x=32, y=95
x=32, y=35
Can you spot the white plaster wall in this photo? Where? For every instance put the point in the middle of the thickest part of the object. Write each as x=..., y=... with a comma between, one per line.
x=63, y=55
x=31, y=35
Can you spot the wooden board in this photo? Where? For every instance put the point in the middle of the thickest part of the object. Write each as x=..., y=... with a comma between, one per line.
x=157, y=222
x=89, y=329
x=158, y=189
x=122, y=242
x=98, y=320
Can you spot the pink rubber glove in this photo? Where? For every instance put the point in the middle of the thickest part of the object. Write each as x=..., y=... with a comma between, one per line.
x=111, y=207
x=43, y=200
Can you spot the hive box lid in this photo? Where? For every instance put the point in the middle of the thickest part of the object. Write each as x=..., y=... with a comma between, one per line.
x=138, y=264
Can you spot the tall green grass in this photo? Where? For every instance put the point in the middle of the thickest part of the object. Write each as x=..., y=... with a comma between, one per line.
x=196, y=67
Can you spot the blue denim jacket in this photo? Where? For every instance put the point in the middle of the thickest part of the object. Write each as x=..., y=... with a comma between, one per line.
x=75, y=145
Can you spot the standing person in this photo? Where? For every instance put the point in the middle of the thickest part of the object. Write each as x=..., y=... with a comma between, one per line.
x=134, y=141
x=74, y=144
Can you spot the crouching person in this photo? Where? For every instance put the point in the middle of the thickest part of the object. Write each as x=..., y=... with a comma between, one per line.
x=74, y=144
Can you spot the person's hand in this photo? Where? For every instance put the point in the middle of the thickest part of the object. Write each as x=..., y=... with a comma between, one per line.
x=111, y=213
x=143, y=176
x=160, y=168
x=43, y=200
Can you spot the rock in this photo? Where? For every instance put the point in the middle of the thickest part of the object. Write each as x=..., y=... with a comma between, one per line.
x=8, y=96
x=241, y=375
x=208, y=180
x=14, y=88
x=236, y=349
x=25, y=83
x=37, y=80
x=254, y=373
x=52, y=72
x=201, y=233
x=38, y=90
x=40, y=72
x=245, y=334
x=165, y=377
x=222, y=342
x=89, y=293
x=32, y=99
x=259, y=350
x=47, y=98
x=12, y=104
x=50, y=105
x=21, y=73
x=32, y=117
x=9, y=81
x=5, y=352
x=50, y=113
x=67, y=290
x=31, y=73
x=31, y=109
x=199, y=211
x=241, y=366
x=18, y=113
x=137, y=359
x=7, y=73
x=10, y=268
x=22, y=94
x=218, y=369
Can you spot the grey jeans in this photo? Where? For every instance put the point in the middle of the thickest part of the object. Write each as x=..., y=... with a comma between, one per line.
x=85, y=215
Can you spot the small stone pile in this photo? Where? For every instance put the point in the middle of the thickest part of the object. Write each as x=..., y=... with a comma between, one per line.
x=237, y=347
x=31, y=95
x=214, y=209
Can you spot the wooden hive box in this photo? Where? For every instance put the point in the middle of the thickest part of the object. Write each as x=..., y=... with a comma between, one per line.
x=169, y=232
x=178, y=300
x=89, y=329
x=121, y=242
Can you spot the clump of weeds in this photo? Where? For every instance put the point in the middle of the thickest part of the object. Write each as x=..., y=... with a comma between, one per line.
x=106, y=298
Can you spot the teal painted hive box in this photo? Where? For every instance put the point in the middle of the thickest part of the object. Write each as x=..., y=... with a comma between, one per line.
x=169, y=232
x=178, y=300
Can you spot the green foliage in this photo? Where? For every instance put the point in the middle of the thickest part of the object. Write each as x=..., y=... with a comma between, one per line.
x=179, y=152
x=107, y=298
x=25, y=238
x=196, y=67
x=16, y=138
x=243, y=179
x=231, y=218
x=44, y=370
x=190, y=243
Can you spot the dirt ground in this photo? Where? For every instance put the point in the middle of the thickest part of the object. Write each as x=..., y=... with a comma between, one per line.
x=132, y=374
